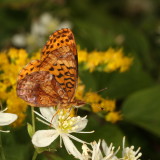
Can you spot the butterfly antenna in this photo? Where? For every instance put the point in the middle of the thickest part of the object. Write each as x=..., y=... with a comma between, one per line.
x=98, y=91
x=101, y=90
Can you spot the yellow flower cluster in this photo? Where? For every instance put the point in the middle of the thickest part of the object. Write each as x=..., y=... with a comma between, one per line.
x=113, y=117
x=11, y=63
x=107, y=61
x=99, y=104
x=13, y=60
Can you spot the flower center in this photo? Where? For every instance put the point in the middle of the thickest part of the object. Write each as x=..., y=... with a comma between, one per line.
x=66, y=123
x=131, y=154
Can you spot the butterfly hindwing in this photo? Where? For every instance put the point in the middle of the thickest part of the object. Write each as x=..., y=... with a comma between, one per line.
x=40, y=89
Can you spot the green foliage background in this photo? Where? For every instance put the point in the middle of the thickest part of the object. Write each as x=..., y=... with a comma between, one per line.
x=96, y=24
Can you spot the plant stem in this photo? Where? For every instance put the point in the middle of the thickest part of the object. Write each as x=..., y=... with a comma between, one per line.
x=34, y=155
x=33, y=127
x=33, y=119
x=2, y=156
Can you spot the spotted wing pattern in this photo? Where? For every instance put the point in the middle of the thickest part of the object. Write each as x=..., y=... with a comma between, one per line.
x=52, y=80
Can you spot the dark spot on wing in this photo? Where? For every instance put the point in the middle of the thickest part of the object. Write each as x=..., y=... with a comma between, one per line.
x=60, y=75
x=70, y=37
x=31, y=68
x=69, y=85
x=69, y=74
x=51, y=69
x=69, y=79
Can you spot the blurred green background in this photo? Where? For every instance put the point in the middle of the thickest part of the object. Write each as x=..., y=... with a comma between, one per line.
x=133, y=25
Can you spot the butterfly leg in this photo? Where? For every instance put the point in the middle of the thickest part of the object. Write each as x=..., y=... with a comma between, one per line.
x=69, y=110
x=55, y=114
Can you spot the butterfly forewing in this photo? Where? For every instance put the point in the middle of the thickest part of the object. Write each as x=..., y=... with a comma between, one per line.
x=52, y=80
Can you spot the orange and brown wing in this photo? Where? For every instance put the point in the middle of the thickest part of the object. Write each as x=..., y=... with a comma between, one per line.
x=60, y=56
x=59, y=61
x=31, y=67
x=40, y=89
x=58, y=39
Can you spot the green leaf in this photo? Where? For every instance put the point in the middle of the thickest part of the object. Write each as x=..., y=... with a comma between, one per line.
x=121, y=85
x=42, y=149
x=111, y=133
x=17, y=152
x=30, y=129
x=143, y=109
x=107, y=131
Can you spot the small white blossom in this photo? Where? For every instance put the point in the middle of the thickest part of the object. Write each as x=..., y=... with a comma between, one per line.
x=65, y=24
x=128, y=153
x=100, y=151
x=7, y=118
x=63, y=124
x=43, y=25
x=19, y=40
x=107, y=153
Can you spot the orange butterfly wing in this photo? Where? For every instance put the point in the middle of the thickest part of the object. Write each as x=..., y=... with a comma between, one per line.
x=52, y=80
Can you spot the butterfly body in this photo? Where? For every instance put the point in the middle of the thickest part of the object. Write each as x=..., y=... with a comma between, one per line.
x=52, y=80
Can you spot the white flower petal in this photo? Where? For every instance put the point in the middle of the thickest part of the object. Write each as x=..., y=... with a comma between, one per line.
x=97, y=154
x=70, y=147
x=81, y=124
x=7, y=118
x=104, y=147
x=44, y=138
x=75, y=138
x=47, y=112
x=4, y=131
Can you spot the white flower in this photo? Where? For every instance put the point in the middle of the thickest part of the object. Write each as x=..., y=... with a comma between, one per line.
x=63, y=124
x=46, y=24
x=65, y=24
x=128, y=153
x=107, y=153
x=6, y=118
x=19, y=40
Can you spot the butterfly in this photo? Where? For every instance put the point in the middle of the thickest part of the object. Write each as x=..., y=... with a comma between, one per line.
x=52, y=80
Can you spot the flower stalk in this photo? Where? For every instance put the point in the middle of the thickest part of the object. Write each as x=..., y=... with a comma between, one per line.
x=33, y=131
x=2, y=155
x=33, y=119
x=34, y=155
